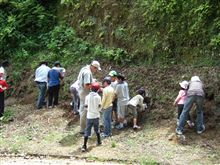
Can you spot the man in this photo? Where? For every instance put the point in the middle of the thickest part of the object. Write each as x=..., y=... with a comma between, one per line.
x=85, y=79
x=41, y=80
x=195, y=94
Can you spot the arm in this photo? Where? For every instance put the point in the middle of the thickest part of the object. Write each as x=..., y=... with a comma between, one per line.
x=181, y=93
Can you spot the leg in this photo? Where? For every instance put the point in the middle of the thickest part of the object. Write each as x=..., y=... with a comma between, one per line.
x=96, y=129
x=50, y=97
x=41, y=98
x=199, y=109
x=75, y=100
x=2, y=104
x=89, y=125
x=180, y=109
x=107, y=115
x=187, y=106
x=56, y=94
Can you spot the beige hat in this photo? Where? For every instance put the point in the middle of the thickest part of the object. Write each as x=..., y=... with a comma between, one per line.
x=184, y=84
x=195, y=78
x=96, y=64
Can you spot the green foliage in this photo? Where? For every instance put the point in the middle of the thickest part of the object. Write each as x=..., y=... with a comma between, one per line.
x=8, y=115
x=167, y=32
x=21, y=22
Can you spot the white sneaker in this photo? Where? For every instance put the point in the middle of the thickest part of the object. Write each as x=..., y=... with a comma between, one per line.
x=179, y=132
x=177, y=122
x=201, y=131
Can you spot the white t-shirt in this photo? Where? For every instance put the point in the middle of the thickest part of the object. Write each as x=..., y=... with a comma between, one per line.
x=75, y=85
x=122, y=93
x=136, y=100
x=93, y=101
x=41, y=73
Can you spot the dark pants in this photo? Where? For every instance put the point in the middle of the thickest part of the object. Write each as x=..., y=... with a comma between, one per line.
x=180, y=109
x=92, y=123
x=2, y=103
x=42, y=92
x=53, y=95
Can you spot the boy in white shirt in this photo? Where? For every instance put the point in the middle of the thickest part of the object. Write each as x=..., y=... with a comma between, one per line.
x=133, y=104
x=93, y=106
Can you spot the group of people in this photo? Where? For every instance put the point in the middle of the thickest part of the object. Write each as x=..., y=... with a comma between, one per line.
x=46, y=77
x=190, y=93
x=106, y=102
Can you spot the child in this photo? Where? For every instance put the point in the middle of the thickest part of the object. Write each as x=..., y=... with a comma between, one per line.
x=3, y=87
x=113, y=74
x=137, y=100
x=180, y=100
x=93, y=106
x=107, y=99
x=122, y=94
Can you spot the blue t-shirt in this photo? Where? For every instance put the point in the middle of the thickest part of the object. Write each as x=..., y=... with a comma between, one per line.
x=54, y=77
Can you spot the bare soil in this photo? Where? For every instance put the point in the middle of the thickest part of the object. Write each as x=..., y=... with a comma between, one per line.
x=55, y=133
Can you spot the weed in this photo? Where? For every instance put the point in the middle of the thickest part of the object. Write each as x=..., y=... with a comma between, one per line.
x=8, y=115
x=113, y=144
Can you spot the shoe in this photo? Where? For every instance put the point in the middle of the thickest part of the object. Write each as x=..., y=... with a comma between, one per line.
x=136, y=127
x=191, y=124
x=201, y=131
x=50, y=107
x=177, y=122
x=76, y=113
x=178, y=132
x=119, y=127
x=84, y=149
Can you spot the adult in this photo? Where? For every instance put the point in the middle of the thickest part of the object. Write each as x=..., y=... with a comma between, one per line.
x=195, y=94
x=41, y=81
x=85, y=79
x=54, y=77
x=74, y=89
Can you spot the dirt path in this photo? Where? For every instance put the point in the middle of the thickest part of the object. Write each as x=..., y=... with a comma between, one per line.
x=54, y=132
x=47, y=161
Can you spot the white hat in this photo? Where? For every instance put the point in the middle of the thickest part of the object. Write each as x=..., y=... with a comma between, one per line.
x=2, y=70
x=195, y=78
x=184, y=84
x=96, y=64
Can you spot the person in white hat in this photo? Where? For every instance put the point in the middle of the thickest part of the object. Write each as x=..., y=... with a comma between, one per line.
x=180, y=100
x=195, y=94
x=3, y=87
x=85, y=79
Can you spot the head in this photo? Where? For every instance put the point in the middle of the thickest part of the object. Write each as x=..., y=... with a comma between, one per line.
x=5, y=63
x=106, y=81
x=120, y=77
x=113, y=75
x=95, y=86
x=195, y=78
x=184, y=85
x=44, y=63
x=57, y=64
x=95, y=66
x=141, y=92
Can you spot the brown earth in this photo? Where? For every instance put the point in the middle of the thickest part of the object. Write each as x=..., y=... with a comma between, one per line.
x=55, y=132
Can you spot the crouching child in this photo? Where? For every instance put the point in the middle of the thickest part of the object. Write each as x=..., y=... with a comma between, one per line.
x=135, y=103
x=93, y=106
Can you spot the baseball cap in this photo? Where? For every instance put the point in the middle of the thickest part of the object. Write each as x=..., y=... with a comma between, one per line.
x=112, y=73
x=96, y=64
